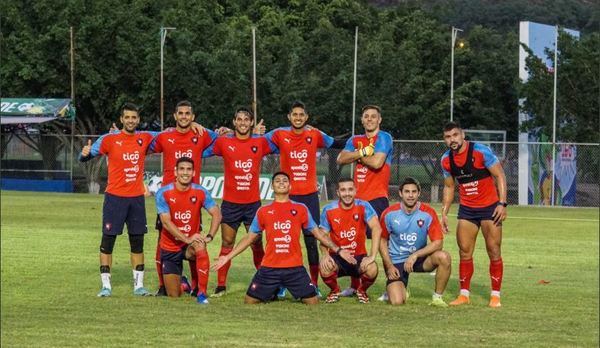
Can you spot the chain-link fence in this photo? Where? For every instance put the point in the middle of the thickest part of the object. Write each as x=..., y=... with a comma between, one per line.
x=577, y=168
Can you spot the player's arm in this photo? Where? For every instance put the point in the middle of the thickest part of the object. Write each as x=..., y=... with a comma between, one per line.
x=447, y=199
x=375, y=161
x=91, y=150
x=327, y=263
x=215, y=222
x=165, y=219
x=349, y=154
x=391, y=271
x=498, y=173
x=242, y=245
x=375, y=241
x=327, y=242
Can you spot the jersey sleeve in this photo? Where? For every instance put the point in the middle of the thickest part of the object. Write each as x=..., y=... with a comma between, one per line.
x=308, y=223
x=489, y=158
x=324, y=221
x=256, y=225
x=211, y=150
x=156, y=145
x=161, y=203
x=369, y=211
x=384, y=143
x=209, y=202
x=212, y=136
x=434, y=231
x=384, y=229
x=350, y=145
x=446, y=165
x=267, y=146
x=272, y=138
x=100, y=146
x=325, y=140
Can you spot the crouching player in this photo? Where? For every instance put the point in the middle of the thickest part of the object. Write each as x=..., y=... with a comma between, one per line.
x=346, y=220
x=179, y=206
x=404, y=249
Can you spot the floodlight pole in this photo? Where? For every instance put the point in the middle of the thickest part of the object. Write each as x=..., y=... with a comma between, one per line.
x=553, y=164
x=72, y=59
x=163, y=37
x=254, y=106
x=454, y=34
x=354, y=91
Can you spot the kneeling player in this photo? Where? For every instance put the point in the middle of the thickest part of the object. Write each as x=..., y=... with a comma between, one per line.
x=346, y=221
x=404, y=249
x=179, y=206
x=282, y=223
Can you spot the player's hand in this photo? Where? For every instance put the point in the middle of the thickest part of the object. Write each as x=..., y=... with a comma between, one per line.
x=327, y=264
x=196, y=238
x=445, y=228
x=364, y=264
x=223, y=130
x=392, y=273
x=346, y=255
x=499, y=215
x=85, y=152
x=197, y=128
x=221, y=261
x=207, y=239
x=260, y=128
x=409, y=263
x=114, y=128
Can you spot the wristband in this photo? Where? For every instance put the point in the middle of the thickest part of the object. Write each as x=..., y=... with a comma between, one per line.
x=504, y=204
x=211, y=237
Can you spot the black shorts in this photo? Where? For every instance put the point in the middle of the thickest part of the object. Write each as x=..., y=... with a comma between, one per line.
x=172, y=262
x=379, y=205
x=267, y=281
x=476, y=215
x=417, y=267
x=347, y=269
x=118, y=211
x=235, y=214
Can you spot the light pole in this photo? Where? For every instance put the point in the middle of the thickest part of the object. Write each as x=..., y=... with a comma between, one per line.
x=163, y=36
x=454, y=34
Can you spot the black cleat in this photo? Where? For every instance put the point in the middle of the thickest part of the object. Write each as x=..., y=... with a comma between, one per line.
x=161, y=291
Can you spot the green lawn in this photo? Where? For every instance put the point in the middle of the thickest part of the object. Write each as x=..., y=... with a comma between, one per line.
x=50, y=280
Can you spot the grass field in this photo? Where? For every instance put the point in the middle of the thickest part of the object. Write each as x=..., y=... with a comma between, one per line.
x=50, y=280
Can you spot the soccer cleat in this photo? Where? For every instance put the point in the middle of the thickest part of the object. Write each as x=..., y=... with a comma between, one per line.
x=333, y=297
x=495, y=302
x=141, y=291
x=105, y=292
x=461, y=300
x=348, y=292
x=185, y=285
x=201, y=299
x=219, y=291
x=362, y=296
x=319, y=295
x=438, y=302
x=161, y=292
x=384, y=297
x=281, y=293
x=194, y=292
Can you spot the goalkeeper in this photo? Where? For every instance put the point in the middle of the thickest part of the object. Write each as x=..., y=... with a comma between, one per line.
x=372, y=153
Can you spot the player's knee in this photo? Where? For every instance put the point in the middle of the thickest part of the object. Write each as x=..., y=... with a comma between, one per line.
x=107, y=244
x=444, y=258
x=136, y=243
x=372, y=271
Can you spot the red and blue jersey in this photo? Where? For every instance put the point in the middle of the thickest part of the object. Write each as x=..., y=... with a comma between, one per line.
x=348, y=227
x=125, y=157
x=185, y=209
x=408, y=232
x=174, y=145
x=298, y=156
x=282, y=224
x=241, y=161
x=372, y=183
x=477, y=193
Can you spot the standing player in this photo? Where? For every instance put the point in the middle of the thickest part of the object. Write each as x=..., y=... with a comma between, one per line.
x=174, y=144
x=179, y=206
x=372, y=153
x=475, y=167
x=282, y=222
x=298, y=146
x=346, y=221
x=124, y=197
x=242, y=155
x=404, y=248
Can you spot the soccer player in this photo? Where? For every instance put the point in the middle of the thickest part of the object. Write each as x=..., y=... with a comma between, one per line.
x=298, y=146
x=346, y=221
x=372, y=153
x=174, y=144
x=404, y=248
x=242, y=155
x=124, y=197
x=475, y=167
x=282, y=222
x=179, y=206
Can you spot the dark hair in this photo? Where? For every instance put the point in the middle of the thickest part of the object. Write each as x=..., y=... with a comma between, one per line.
x=451, y=125
x=280, y=173
x=184, y=159
x=298, y=104
x=410, y=181
x=370, y=106
x=130, y=107
x=344, y=179
x=245, y=110
x=183, y=103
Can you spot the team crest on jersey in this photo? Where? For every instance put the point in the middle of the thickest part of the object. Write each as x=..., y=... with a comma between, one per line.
x=309, y=140
x=195, y=140
x=294, y=212
x=193, y=199
x=420, y=222
x=140, y=141
x=355, y=216
x=254, y=149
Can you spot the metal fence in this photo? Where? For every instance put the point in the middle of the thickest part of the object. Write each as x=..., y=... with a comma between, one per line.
x=47, y=157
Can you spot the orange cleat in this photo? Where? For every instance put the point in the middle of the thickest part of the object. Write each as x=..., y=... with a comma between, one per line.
x=461, y=300
x=495, y=302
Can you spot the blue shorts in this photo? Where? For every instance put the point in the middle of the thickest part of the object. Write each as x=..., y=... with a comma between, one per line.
x=476, y=215
x=417, y=267
x=267, y=281
x=235, y=214
x=379, y=205
x=347, y=269
x=172, y=262
x=118, y=211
